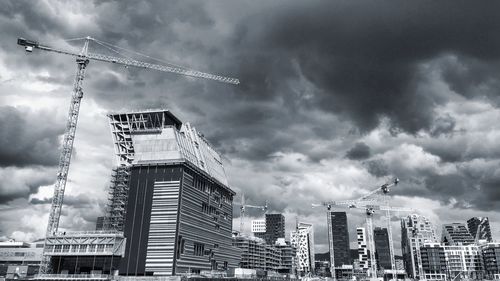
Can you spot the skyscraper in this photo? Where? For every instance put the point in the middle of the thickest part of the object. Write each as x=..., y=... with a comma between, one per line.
x=275, y=227
x=479, y=228
x=456, y=234
x=363, y=254
x=303, y=241
x=338, y=236
x=382, y=249
x=179, y=206
x=415, y=231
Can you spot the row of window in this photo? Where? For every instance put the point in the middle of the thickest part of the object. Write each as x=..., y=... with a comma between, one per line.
x=211, y=210
x=209, y=188
x=199, y=249
x=79, y=248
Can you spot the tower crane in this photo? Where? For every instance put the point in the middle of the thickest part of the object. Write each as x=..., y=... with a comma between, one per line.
x=82, y=60
x=370, y=210
x=243, y=210
x=384, y=191
x=340, y=204
x=369, y=202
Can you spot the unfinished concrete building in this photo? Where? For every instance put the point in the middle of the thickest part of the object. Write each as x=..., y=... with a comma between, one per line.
x=256, y=254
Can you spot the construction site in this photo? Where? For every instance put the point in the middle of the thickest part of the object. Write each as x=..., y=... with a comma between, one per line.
x=169, y=214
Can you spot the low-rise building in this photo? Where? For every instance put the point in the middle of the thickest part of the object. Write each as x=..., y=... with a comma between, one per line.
x=288, y=252
x=20, y=259
x=256, y=254
x=90, y=252
x=444, y=262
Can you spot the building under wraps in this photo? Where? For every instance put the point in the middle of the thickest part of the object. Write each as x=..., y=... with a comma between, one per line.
x=303, y=240
x=177, y=217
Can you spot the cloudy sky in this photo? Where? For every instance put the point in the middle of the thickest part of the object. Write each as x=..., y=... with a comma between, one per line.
x=336, y=98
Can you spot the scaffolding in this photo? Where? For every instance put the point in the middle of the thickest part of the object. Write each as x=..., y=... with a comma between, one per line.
x=117, y=199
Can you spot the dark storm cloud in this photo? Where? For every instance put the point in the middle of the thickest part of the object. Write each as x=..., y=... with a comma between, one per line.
x=28, y=138
x=359, y=151
x=360, y=58
x=377, y=167
x=301, y=65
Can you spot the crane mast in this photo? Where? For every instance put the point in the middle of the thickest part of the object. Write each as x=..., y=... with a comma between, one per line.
x=82, y=60
x=67, y=146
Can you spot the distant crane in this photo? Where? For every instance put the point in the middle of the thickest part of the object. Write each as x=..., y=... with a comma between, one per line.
x=370, y=203
x=243, y=210
x=339, y=204
x=370, y=210
x=82, y=60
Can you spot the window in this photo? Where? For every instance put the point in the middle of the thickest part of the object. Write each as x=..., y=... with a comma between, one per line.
x=100, y=248
x=66, y=248
x=199, y=249
x=204, y=208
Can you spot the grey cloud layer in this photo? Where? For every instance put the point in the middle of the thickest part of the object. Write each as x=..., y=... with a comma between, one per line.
x=316, y=79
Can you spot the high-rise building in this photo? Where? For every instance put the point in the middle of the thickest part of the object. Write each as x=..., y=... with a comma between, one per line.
x=303, y=241
x=275, y=227
x=382, y=249
x=338, y=237
x=270, y=229
x=479, y=228
x=363, y=254
x=178, y=215
x=456, y=234
x=434, y=261
x=258, y=227
x=491, y=260
x=415, y=231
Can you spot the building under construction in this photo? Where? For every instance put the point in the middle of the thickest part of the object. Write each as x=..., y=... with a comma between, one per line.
x=177, y=216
